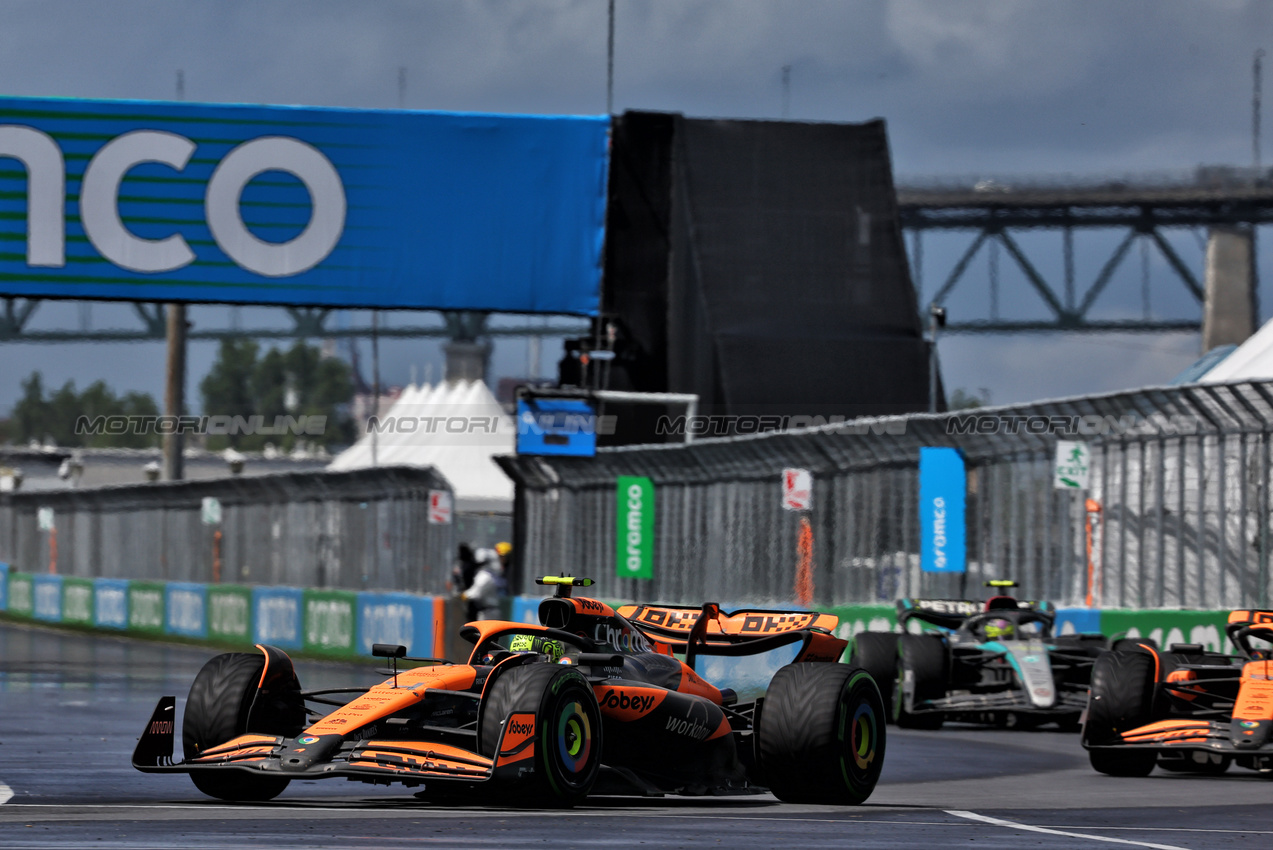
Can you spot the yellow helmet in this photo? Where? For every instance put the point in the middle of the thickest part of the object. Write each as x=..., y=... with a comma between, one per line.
x=999, y=629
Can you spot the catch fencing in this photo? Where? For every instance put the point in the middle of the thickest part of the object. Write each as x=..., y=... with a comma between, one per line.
x=1180, y=480
x=360, y=530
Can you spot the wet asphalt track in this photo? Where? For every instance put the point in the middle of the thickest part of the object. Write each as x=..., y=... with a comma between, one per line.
x=72, y=706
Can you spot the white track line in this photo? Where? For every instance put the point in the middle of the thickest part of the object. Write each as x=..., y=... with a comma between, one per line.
x=1014, y=825
x=6, y=793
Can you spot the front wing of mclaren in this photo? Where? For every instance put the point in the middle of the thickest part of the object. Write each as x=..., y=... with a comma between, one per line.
x=329, y=756
x=1227, y=737
x=1246, y=734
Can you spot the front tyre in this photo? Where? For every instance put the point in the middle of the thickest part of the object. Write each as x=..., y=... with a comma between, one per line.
x=921, y=677
x=223, y=704
x=567, y=730
x=1123, y=686
x=876, y=653
x=821, y=734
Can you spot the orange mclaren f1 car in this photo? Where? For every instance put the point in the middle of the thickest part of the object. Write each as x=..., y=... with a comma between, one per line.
x=591, y=701
x=1185, y=709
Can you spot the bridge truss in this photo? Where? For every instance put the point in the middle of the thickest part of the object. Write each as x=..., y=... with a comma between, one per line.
x=994, y=214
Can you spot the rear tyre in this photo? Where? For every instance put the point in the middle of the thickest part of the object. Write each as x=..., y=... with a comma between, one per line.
x=567, y=730
x=1122, y=699
x=921, y=675
x=876, y=653
x=821, y=734
x=220, y=707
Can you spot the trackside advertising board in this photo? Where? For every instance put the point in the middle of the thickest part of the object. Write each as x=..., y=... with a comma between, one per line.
x=155, y=201
x=47, y=595
x=230, y=613
x=146, y=607
x=4, y=586
x=276, y=616
x=329, y=621
x=942, y=490
x=77, y=601
x=319, y=621
x=397, y=618
x=110, y=603
x=635, y=532
x=186, y=609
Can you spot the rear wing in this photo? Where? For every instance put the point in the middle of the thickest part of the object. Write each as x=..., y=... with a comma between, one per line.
x=675, y=622
x=945, y=613
x=710, y=631
x=951, y=613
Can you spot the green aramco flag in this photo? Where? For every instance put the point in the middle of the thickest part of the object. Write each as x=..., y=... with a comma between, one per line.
x=635, y=534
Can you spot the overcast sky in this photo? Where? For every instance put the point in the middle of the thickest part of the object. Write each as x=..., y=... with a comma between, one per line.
x=968, y=88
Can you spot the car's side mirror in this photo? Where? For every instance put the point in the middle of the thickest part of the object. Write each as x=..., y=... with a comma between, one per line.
x=388, y=650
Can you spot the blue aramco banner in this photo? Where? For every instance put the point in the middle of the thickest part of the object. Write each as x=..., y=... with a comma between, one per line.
x=299, y=205
x=942, y=490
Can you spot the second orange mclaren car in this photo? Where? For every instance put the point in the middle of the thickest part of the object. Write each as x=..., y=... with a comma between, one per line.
x=1185, y=709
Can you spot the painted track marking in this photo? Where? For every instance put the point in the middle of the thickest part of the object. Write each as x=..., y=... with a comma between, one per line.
x=6, y=793
x=1009, y=824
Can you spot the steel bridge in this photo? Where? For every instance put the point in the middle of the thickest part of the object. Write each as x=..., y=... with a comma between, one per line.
x=302, y=323
x=1143, y=207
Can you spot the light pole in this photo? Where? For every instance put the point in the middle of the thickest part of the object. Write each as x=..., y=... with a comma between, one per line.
x=936, y=320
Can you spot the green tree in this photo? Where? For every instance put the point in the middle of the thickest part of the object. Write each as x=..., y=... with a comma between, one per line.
x=299, y=381
x=30, y=414
x=36, y=417
x=962, y=399
x=227, y=388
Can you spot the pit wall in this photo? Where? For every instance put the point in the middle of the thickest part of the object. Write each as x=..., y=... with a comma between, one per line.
x=325, y=623
x=344, y=624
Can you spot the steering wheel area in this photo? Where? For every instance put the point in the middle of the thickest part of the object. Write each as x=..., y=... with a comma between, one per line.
x=1009, y=624
x=556, y=646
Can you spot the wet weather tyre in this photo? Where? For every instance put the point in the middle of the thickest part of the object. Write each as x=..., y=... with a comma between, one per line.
x=921, y=675
x=876, y=653
x=821, y=735
x=567, y=737
x=220, y=708
x=1121, y=699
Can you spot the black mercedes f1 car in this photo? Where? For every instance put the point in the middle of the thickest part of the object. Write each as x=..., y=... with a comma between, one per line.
x=994, y=662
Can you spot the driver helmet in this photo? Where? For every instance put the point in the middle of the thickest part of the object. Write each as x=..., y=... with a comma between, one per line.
x=554, y=649
x=1000, y=629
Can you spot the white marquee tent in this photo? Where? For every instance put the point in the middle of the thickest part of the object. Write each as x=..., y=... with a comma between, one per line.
x=1250, y=361
x=455, y=427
